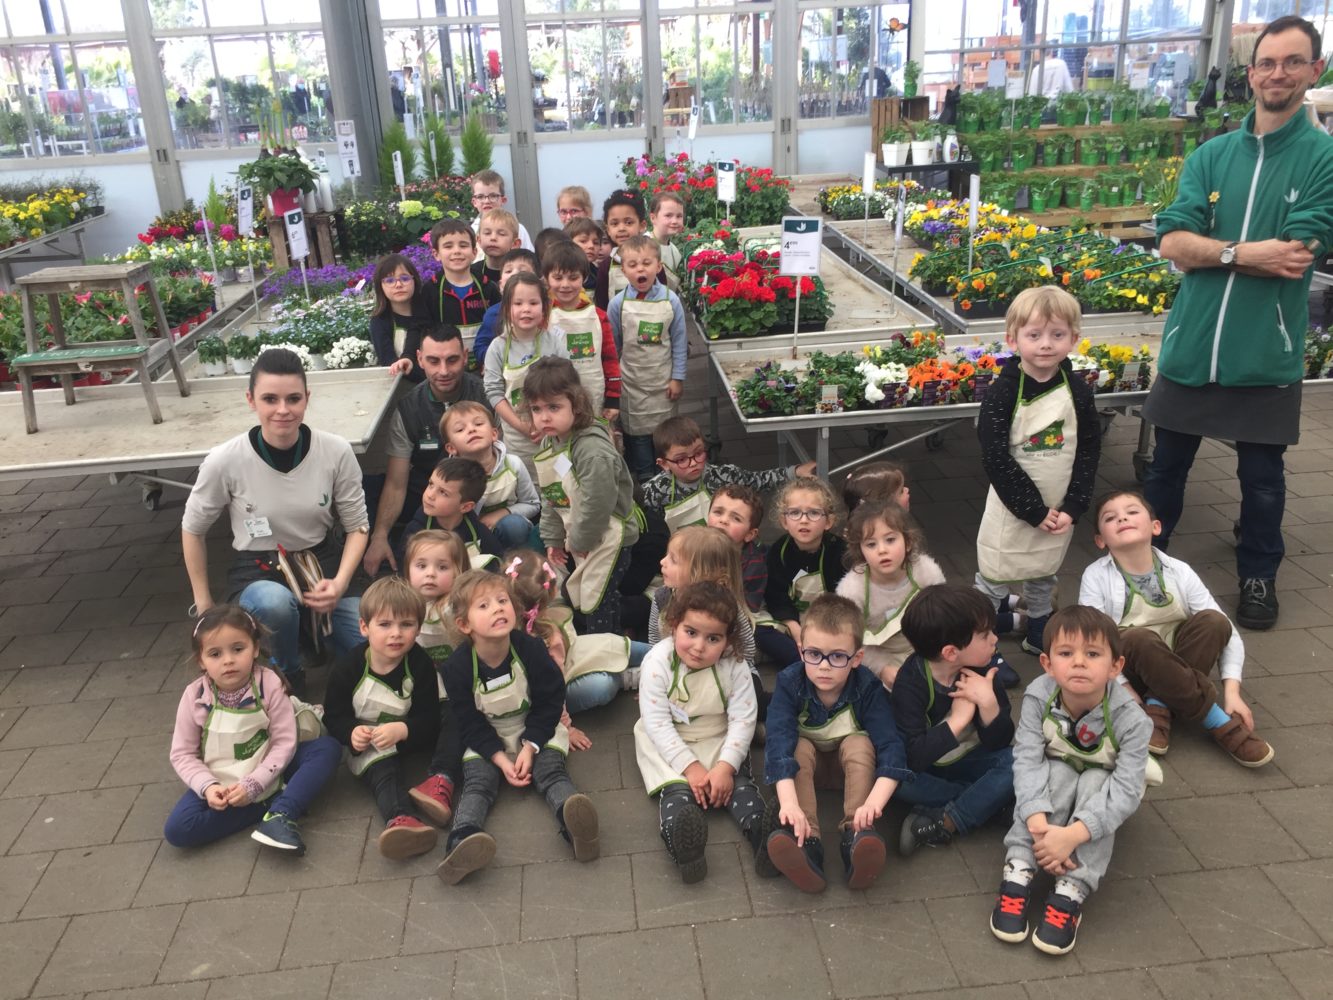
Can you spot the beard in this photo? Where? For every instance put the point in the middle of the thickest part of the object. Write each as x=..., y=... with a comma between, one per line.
x=1284, y=104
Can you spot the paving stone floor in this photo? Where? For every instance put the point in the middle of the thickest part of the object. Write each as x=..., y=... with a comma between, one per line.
x=1222, y=883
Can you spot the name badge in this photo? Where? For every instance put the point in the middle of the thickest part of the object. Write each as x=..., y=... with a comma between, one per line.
x=799, y=574
x=678, y=714
x=428, y=443
x=257, y=527
x=496, y=682
x=562, y=465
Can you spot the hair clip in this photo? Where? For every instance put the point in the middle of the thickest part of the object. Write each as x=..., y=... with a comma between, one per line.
x=511, y=570
x=551, y=578
x=530, y=619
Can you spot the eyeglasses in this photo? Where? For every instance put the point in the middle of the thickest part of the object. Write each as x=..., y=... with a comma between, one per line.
x=397, y=279
x=487, y=197
x=570, y=213
x=837, y=659
x=696, y=458
x=1291, y=64
x=813, y=514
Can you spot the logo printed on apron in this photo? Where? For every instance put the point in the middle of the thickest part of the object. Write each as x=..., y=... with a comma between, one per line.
x=582, y=332
x=232, y=743
x=645, y=363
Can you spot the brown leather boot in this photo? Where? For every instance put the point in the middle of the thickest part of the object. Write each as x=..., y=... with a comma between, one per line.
x=1160, y=742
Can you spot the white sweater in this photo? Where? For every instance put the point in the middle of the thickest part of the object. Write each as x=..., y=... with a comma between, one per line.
x=884, y=601
x=1103, y=587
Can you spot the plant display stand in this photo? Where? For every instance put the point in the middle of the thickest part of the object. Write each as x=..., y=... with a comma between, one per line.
x=320, y=228
x=68, y=360
x=891, y=110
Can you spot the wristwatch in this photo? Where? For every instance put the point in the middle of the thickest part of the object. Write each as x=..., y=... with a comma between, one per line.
x=1228, y=255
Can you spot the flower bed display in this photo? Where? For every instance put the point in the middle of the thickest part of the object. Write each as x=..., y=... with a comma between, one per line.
x=740, y=292
x=848, y=201
x=761, y=196
x=939, y=224
x=913, y=370
x=41, y=212
x=1318, y=353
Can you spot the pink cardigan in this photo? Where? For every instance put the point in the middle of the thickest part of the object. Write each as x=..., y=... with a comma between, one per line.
x=192, y=713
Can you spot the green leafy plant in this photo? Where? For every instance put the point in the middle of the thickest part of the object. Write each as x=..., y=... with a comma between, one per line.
x=444, y=148
x=396, y=141
x=242, y=347
x=838, y=370
x=897, y=132
x=212, y=350
x=215, y=206
x=768, y=392
x=278, y=172
x=477, y=146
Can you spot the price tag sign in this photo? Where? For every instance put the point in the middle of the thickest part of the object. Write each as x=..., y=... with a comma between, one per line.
x=1013, y=87
x=868, y=176
x=996, y=71
x=323, y=161
x=973, y=197
x=296, y=238
x=802, y=242
x=1138, y=76
x=345, y=131
x=245, y=209
x=398, y=168
x=434, y=157
x=694, y=120
x=726, y=180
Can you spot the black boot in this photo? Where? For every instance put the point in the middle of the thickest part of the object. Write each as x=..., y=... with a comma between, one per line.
x=686, y=835
x=863, y=855
x=803, y=864
x=923, y=826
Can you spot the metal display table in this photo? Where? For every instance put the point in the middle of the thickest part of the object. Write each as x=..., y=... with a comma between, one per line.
x=45, y=249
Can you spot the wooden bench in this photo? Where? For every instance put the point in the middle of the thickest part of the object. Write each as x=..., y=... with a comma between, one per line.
x=65, y=360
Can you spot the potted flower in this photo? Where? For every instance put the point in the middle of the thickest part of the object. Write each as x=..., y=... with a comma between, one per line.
x=1124, y=104
x=1193, y=94
x=1070, y=109
x=318, y=341
x=1115, y=147
x=1043, y=193
x=1129, y=188
x=242, y=349
x=1059, y=149
x=969, y=113
x=1023, y=152
x=1003, y=190
x=283, y=176
x=911, y=77
x=923, y=143
x=1096, y=106
x=350, y=352
x=1030, y=110
x=769, y=392
x=1087, y=195
x=1090, y=149
x=895, y=141
x=212, y=355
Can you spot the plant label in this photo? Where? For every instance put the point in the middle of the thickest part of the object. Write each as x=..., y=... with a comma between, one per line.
x=868, y=176
x=802, y=242
x=245, y=209
x=323, y=161
x=398, y=178
x=1130, y=376
x=434, y=157
x=973, y=197
x=726, y=180
x=996, y=71
x=1138, y=76
x=828, y=400
x=694, y=120
x=346, y=135
x=1013, y=87
x=296, y=236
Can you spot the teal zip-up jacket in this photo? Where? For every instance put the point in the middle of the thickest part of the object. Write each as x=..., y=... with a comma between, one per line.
x=1231, y=328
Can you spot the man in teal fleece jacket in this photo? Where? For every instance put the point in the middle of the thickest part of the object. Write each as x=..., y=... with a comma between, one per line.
x=1254, y=213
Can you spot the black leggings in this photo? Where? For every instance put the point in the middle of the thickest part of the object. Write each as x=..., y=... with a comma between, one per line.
x=746, y=805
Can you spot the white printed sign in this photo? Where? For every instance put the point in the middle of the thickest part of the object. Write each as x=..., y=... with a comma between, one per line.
x=973, y=198
x=868, y=176
x=346, y=133
x=398, y=168
x=726, y=180
x=245, y=209
x=296, y=237
x=802, y=240
x=1013, y=87
x=694, y=120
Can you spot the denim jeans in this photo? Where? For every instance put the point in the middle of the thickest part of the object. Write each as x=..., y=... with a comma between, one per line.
x=640, y=456
x=275, y=606
x=776, y=645
x=971, y=790
x=192, y=823
x=516, y=532
x=595, y=690
x=1263, y=497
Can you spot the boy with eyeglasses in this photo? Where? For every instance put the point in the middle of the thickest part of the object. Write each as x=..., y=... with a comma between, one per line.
x=683, y=490
x=830, y=725
x=488, y=191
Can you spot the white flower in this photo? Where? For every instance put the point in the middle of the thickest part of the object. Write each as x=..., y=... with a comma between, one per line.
x=350, y=352
x=296, y=349
x=873, y=393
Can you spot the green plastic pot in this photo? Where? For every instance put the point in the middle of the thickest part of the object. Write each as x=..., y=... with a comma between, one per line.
x=1023, y=161
x=988, y=164
x=1162, y=111
x=1036, y=120
x=1191, y=143
x=1129, y=193
x=1089, y=156
x=969, y=122
x=1117, y=116
x=1085, y=202
x=1072, y=197
x=1038, y=202
x=1067, y=156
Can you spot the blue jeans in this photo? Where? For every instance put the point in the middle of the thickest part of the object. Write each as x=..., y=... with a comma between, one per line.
x=640, y=456
x=971, y=791
x=595, y=690
x=516, y=532
x=275, y=606
x=776, y=645
x=1263, y=497
x=192, y=823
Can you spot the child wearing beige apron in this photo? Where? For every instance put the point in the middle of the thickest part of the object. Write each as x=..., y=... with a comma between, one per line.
x=582, y=332
x=645, y=369
x=507, y=363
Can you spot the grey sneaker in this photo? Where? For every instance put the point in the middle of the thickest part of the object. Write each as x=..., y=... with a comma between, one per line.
x=277, y=830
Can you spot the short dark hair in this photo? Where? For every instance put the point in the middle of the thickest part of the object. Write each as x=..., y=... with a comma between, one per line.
x=276, y=361
x=675, y=432
x=1106, y=498
x=626, y=199
x=708, y=597
x=1291, y=22
x=450, y=227
x=522, y=254
x=469, y=475
x=747, y=495
x=946, y=614
x=1078, y=619
x=443, y=332
x=550, y=378
x=564, y=257
x=546, y=239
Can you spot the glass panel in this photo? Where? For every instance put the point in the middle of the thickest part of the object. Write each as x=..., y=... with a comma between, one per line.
x=531, y=7
x=1171, y=68
x=301, y=71
x=292, y=11
x=835, y=52
x=754, y=64
x=888, y=41
x=393, y=9
x=445, y=70
x=13, y=124
x=717, y=67
x=25, y=18
x=176, y=13
x=246, y=84
x=110, y=99
x=92, y=15
x=54, y=100
x=187, y=71
x=1071, y=22
x=943, y=29
x=229, y=12
x=726, y=59
x=1164, y=17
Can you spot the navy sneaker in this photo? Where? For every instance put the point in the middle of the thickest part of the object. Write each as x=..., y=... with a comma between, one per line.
x=1032, y=642
x=863, y=857
x=803, y=864
x=1058, y=929
x=923, y=826
x=277, y=830
x=686, y=837
x=1009, y=919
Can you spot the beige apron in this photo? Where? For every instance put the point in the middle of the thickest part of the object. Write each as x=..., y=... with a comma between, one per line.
x=505, y=704
x=692, y=509
x=436, y=636
x=563, y=619
x=1042, y=440
x=501, y=487
x=234, y=741
x=596, y=653
x=560, y=486
x=374, y=703
x=698, y=708
x=1139, y=612
x=476, y=559
x=582, y=330
x=889, y=636
x=645, y=363
x=968, y=740
x=806, y=586
x=672, y=264
x=616, y=282
x=519, y=445
x=1060, y=747
x=827, y=737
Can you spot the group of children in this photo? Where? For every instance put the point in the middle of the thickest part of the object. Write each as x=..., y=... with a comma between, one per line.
x=509, y=618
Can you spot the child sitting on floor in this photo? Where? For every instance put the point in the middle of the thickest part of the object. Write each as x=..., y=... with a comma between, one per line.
x=449, y=504
x=434, y=559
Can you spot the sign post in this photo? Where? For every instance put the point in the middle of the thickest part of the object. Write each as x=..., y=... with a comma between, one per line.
x=398, y=177
x=973, y=197
x=867, y=189
x=802, y=243
x=897, y=239
x=297, y=244
x=726, y=182
x=694, y=125
x=245, y=223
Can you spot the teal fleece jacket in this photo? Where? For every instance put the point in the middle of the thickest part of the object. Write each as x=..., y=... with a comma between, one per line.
x=1231, y=328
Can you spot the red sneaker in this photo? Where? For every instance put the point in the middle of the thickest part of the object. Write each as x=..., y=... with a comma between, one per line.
x=435, y=798
x=406, y=837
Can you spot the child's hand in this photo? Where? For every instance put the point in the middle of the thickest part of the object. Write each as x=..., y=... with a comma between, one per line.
x=887, y=675
x=610, y=414
x=1038, y=824
x=865, y=816
x=506, y=766
x=1054, y=852
x=806, y=469
x=697, y=775
x=1233, y=703
x=388, y=734
x=721, y=783
x=557, y=556
x=578, y=739
x=493, y=518
x=216, y=797
x=237, y=795
x=523, y=764
x=403, y=366
x=961, y=710
x=674, y=388
x=361, y=737
x=978, y=688
x=795, y=819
